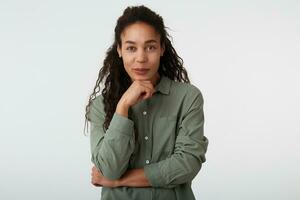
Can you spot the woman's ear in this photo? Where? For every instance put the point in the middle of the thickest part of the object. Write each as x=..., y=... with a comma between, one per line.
x=119, y=51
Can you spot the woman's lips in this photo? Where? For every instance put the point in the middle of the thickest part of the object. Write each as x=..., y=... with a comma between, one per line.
x=140, y=71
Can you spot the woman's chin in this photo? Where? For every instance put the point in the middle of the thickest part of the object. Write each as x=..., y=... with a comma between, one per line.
x=140, y=78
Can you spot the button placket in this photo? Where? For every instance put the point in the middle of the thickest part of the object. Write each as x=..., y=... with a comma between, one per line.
x=147, y=145
x=145, y=114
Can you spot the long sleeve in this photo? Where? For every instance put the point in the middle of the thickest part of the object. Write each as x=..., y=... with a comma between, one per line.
x=111, y=150
x=189, y=152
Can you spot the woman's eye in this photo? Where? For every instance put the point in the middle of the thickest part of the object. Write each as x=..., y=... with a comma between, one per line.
x=151, y=48
x=130, y=48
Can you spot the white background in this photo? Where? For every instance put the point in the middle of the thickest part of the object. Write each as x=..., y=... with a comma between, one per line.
x=242, y=55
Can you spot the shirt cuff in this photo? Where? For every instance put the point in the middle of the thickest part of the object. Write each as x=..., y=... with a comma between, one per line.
x=120, y=124
x=153, y=175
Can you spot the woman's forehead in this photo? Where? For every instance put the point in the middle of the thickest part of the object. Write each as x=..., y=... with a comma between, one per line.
x=140, y=32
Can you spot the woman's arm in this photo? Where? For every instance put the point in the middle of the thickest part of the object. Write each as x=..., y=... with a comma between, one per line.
x=131, y=178
x=111, y=150
x=134, y=178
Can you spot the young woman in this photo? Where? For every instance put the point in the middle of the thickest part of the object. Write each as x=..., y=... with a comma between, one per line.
x=147, y=137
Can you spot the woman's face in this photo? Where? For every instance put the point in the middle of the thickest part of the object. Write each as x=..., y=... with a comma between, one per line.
x=141, y=51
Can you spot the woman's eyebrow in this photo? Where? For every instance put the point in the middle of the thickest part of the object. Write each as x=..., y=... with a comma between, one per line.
x=129, y=42
x=146, y=42
x=151, y=41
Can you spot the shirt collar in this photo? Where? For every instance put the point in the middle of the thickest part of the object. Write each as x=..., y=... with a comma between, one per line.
x=164, y=85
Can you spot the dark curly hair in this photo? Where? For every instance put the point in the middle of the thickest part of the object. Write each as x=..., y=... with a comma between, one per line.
x=115, y=78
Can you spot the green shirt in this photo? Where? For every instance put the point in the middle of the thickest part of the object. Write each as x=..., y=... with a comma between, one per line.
x=162, y=134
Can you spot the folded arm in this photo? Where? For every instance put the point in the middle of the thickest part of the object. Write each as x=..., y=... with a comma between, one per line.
x=131, y=178
x=110, y=151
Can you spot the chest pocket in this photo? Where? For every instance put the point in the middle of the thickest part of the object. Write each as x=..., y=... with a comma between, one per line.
x=164, y=136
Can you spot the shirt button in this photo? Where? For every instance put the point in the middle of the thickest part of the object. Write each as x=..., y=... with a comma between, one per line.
x=145, y=113
x=146, y=137
x=147, y=161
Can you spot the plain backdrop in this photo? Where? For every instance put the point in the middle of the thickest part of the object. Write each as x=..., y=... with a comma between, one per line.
x=243, y=56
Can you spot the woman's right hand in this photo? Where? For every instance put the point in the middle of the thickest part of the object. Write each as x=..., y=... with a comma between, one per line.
x=137, y=91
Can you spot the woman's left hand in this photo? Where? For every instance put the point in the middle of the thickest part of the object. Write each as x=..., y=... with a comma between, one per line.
x=100, y=181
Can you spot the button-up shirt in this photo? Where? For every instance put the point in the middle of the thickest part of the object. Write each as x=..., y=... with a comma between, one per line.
x=162, y=134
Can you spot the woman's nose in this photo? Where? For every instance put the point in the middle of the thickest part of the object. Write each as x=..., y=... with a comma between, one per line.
x=141, y=56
